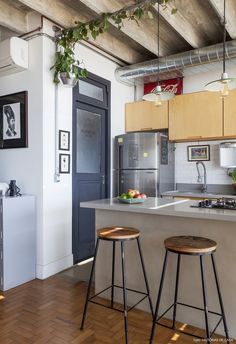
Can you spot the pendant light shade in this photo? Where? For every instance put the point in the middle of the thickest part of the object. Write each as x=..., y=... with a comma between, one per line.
x=157, y=95
x=224, y=84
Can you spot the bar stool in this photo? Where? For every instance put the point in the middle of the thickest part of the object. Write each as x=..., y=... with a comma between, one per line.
x=118, y=234
x=198, y=246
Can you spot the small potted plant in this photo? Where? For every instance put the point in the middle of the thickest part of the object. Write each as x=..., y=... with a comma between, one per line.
x=232, y=174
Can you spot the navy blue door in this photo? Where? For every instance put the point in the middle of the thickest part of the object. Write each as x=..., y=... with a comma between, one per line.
x=90, y=166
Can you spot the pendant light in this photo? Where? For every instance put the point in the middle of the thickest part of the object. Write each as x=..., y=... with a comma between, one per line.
x=157, y=95
x=224, y=84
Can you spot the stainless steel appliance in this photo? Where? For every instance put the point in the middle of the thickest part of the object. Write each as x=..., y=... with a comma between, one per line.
x=144, y=161
x=220, y=203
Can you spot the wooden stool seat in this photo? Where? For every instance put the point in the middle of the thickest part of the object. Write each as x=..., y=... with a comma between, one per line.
x=202, y=248
x=118, y=233
x=190, y=245
x=118, y=236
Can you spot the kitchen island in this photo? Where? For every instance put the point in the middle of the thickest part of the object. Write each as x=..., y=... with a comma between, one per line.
x=158, y=219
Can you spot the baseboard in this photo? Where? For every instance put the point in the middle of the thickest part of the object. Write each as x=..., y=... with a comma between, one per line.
x=45, y=271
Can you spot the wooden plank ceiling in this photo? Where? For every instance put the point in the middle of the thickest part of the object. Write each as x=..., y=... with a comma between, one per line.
x=196, y=24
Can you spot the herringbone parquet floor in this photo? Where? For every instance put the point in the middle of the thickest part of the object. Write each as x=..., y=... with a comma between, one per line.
x=50, y=311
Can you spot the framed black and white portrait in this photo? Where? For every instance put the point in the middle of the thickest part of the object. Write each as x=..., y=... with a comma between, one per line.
x=64, y=140
x=64, y=163
x=13, y=120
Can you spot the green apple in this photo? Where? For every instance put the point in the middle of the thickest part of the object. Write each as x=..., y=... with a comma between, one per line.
x=131, y=193
x=124, y=196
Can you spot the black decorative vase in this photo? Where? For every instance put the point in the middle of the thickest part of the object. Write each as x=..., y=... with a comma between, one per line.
x=13, y=190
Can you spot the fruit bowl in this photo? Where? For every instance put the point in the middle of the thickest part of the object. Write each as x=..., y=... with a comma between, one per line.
x=131, y=200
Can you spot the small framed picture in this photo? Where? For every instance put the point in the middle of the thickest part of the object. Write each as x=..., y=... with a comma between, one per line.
x=64, y=163
x=64, y=140
x=199, y=153
x=14, y=120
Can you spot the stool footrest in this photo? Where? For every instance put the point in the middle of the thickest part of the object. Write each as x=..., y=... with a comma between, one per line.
x=116, y=309
x=189, y=306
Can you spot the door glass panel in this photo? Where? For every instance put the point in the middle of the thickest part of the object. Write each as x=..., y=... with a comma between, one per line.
x=88, y=156
x=91, y=90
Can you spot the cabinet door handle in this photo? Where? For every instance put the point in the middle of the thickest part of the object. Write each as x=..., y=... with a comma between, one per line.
x=194, y=137
x=146, y=129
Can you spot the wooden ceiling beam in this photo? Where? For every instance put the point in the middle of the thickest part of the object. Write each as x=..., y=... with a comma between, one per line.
x=218, y=6
x=182, y=25
x=143, y=33
x=12, y=18
x=55, y=10
x=66, y=16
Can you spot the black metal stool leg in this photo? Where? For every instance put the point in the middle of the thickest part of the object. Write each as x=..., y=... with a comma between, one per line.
x=145, y=277
x=176, y=291
x=220, y=299
x=89, y=285
x=113, y=273
x=159, y=298
x=205, y=300
x=124, y=291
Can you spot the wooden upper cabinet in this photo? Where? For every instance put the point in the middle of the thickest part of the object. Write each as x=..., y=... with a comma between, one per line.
x=230, y=114
x=144, y=115
x=196, y=116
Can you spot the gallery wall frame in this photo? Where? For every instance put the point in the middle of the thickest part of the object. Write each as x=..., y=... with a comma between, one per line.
x=64, y=140
x=198, y=153
x=64, y=163
x=14, y=120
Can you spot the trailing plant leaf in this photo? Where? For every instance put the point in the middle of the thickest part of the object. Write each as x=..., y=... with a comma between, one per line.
x=233, y=175
x=150, y=15
x=67, y=38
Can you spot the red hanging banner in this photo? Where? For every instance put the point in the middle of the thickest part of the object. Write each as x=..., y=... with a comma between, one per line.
x=171, y=85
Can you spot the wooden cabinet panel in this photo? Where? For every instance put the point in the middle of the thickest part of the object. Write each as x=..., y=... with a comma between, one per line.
x=196, y=116
x=144, y=115
x=230, y=114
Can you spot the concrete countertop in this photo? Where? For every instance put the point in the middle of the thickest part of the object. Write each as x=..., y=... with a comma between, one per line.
x=162, y=206
x=194, y=194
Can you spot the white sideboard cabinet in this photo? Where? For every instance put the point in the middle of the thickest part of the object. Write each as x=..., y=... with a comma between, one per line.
x=17, y=240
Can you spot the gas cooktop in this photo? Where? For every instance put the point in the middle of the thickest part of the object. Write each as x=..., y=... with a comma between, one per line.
x=220, y=203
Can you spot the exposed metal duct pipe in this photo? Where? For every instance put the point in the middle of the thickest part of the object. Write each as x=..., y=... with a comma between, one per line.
x=175, y=65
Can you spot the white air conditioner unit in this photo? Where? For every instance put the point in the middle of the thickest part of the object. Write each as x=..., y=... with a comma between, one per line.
x=13, y=56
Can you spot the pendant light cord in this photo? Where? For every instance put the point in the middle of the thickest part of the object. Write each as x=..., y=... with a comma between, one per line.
x=224, y=40
x=158, y=43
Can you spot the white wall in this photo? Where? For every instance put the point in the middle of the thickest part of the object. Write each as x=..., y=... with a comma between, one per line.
x=196, y=83
x=24, y=164
x=34, y=167
x=57, y=200
x=185, y=171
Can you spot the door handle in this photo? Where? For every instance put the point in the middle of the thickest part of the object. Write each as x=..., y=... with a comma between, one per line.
x=103, y=180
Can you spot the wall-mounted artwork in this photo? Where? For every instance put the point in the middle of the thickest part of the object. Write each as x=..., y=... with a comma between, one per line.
x=199, y=153
x=14, y=120
x=64, y=163
x=64, y=140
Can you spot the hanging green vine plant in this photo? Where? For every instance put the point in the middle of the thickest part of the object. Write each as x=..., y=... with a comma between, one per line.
x=65, y=60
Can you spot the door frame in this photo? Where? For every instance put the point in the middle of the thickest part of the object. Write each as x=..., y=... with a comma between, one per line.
x=106, y=105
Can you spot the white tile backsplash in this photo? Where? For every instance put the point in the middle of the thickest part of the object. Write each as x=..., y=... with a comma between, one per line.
x=186, y=172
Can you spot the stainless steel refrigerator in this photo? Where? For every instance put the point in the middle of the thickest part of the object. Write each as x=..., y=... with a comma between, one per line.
x=144, y=161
